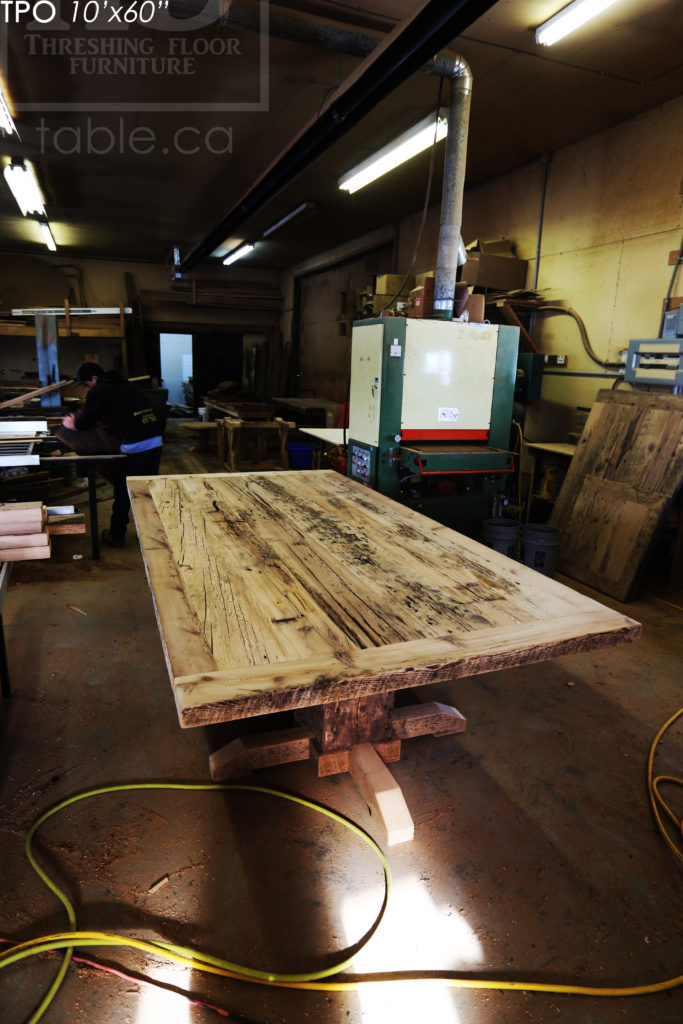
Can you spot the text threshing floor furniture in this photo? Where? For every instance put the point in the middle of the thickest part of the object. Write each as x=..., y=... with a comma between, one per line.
x=306, y=591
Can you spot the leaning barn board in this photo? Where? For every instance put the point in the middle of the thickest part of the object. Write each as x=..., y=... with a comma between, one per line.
x=624, y=476
x=294, y=589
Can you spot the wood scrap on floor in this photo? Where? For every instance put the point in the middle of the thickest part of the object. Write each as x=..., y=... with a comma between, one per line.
x=620, y=485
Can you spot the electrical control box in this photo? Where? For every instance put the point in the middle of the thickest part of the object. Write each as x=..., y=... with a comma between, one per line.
x=655, y=361
x=361, y=464
x=673, y=323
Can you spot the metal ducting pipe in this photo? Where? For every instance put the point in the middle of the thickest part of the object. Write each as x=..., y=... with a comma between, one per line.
x=450, y=252
x=323, y=33
x=390, y=61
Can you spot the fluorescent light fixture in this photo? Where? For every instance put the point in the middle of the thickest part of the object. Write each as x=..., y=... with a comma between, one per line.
x=570, y=18
x=299, y=213
x=237, y=254
x=407, y=145
x=47, y=236
x=6, y=123
x=25, y=189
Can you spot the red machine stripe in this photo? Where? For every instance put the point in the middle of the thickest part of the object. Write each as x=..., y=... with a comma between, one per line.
x=444, y=435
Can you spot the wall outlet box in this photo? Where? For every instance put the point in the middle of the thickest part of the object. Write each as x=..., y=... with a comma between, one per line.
x=555, y=360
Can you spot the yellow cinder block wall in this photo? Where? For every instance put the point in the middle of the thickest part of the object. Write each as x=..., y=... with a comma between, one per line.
x=612, y=215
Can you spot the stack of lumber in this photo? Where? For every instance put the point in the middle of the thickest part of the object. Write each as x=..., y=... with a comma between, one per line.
x=623, y=480
x=23, y=531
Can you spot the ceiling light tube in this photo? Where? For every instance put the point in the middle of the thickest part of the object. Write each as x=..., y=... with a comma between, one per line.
x=6, y=122
x=570, y=18
x=409, y=144
x=47, y=236
x=301, y=211
x=24, y=187
x=237, y=254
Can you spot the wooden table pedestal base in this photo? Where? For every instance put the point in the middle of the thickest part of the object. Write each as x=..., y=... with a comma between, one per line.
x=357, y=736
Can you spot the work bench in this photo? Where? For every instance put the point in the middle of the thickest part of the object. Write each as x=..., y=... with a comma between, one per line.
x=308, y=592
x=234, y=433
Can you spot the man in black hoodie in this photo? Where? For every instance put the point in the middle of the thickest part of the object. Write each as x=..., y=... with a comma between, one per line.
x=116, y=417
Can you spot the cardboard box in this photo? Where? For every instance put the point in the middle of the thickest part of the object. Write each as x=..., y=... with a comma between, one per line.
x=380, y=302
x=502, y=273
x=475, y=307
x=495, y=247
x=421, y=278
x=420, y=303
x=493, y=265
x=389, y=284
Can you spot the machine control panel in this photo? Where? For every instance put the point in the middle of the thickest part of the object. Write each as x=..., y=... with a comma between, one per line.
x=361, y=463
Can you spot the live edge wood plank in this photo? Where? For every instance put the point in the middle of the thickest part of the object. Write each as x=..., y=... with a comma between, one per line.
x=223, y=696
x=287, y=590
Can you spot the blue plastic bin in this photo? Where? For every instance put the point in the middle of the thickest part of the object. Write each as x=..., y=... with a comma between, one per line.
x=300, y=455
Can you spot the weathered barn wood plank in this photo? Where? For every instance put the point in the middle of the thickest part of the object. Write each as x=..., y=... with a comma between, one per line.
x=626, y=472
x=611, y=523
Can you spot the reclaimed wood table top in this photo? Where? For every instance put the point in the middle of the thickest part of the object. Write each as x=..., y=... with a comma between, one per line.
x=282, y=590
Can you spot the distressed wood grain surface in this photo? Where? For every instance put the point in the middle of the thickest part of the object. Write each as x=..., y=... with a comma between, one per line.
x=625, y=475
x=292, y=589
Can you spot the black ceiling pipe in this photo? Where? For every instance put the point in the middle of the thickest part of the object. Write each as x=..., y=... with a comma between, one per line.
x=411, y=45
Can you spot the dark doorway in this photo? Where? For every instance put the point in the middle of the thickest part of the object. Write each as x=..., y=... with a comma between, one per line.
x=216, y=358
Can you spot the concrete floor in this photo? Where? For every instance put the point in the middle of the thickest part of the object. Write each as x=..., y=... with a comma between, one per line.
x=535, y=856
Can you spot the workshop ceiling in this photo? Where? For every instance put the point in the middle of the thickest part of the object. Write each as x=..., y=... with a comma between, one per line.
x=134, y=164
